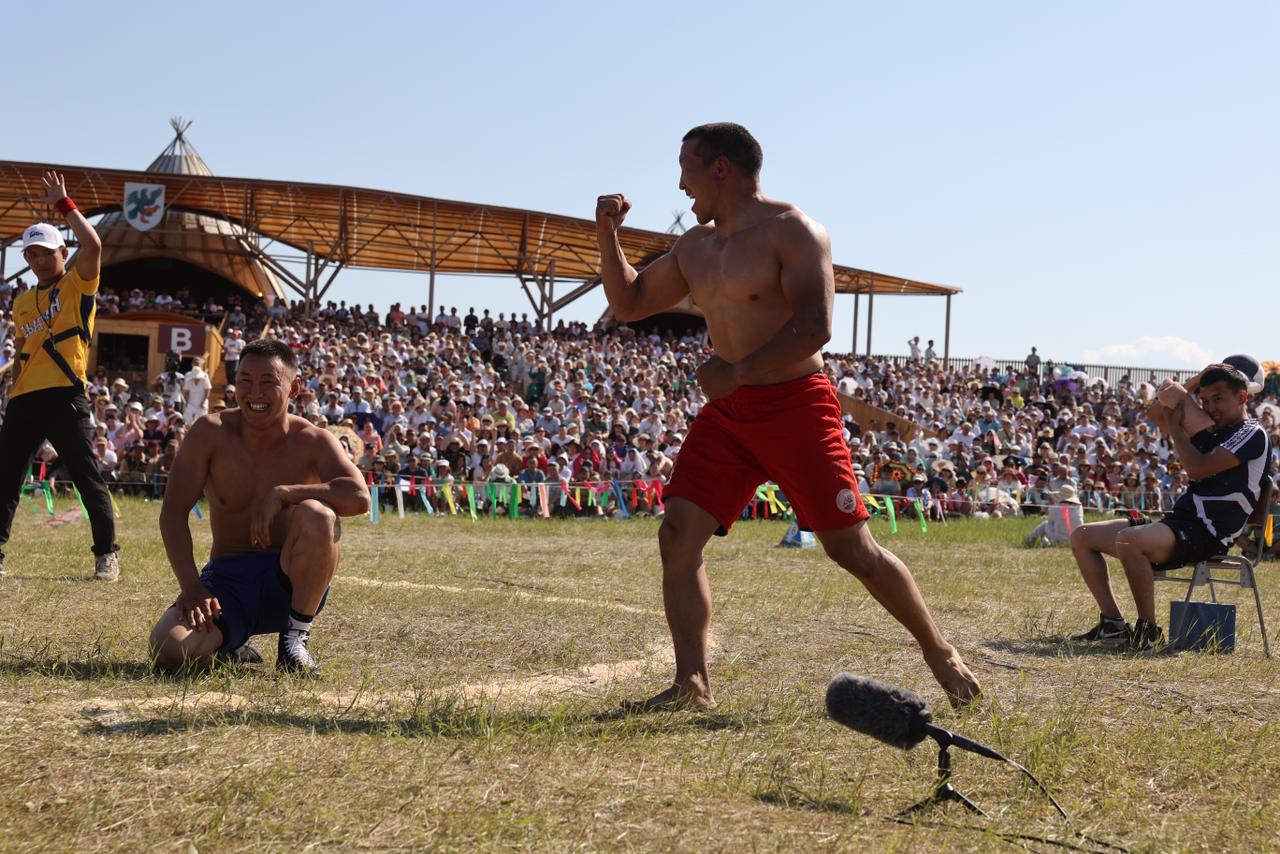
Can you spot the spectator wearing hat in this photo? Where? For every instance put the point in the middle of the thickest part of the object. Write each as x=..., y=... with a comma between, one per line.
x=131, y=471
x=120, y=392
x=196, y=386
x=130, y=428
x=1061, y=518
x=53, y=326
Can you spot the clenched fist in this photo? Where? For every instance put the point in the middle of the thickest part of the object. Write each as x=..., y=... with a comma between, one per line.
x=611, y=210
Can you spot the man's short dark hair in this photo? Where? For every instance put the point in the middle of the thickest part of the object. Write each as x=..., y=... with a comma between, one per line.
x=731, y=140
x=1234, y=379
x=271, y=348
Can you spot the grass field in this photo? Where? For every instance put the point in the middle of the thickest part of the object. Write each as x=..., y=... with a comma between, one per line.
x=466, y=664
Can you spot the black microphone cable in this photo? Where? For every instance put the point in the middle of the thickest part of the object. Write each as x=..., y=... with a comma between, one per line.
x=901, y=718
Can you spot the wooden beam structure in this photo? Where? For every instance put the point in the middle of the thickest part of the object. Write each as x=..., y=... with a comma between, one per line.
x=336, y=227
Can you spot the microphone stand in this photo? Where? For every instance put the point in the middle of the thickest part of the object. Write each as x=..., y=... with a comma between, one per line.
x=943, y=791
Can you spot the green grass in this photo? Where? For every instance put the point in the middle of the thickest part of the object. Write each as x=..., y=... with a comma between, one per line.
x=458, y=710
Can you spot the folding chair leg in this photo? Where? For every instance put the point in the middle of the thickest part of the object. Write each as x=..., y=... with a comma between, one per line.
x=1262, y=625
x=1213, y=594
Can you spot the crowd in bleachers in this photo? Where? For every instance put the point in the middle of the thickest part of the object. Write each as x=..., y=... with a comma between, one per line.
x=590, y=419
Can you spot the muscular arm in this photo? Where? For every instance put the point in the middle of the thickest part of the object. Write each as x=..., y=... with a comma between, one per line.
x=341, y=487
x=186, y=484
x=1198, y=465
x=634, y=295
x=808, y=285
x=89, y=255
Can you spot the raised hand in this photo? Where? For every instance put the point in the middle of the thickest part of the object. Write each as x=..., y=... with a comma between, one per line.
x=55, y=188
x=611, y=210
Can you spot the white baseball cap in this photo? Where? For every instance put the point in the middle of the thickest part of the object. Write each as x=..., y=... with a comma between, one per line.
x=42, y=234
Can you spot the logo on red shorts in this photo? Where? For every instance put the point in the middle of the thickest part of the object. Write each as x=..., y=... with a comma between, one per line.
x=847, y=501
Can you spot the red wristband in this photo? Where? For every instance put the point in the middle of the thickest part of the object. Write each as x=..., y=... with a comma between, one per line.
x=65, y=205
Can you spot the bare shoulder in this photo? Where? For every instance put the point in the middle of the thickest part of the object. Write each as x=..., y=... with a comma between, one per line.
x=213, y=427
x=317, y=439
x=793, y=227
x=692, y=235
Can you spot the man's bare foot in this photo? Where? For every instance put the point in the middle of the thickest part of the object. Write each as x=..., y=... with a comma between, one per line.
x=949, y=669
x=678, y=697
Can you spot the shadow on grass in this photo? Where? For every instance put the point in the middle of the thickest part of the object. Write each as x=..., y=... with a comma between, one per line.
x=81, y=671
x=1062, y=647
x=91, y=669
x=445, y=721
x=791, y=799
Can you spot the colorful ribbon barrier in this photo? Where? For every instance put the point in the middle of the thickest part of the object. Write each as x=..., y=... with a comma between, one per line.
x=1268, y=534
x=924, y=523
x=426, y=502
x=375, y=512
x=400, y=487
x=83, y=510
x=544, y=505
x=622, y=501
x=471, y=500
x=513, y=505
x=447, y=488
x=892, y=514
x=42, y=486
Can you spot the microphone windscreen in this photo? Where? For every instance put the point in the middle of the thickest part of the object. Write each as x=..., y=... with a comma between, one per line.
x=894, y=715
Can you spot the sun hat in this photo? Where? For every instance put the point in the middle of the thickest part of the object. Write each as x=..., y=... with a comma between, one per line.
x=1066, y=494
x=42, y=234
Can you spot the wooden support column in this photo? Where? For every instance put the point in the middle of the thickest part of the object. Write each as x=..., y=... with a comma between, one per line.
x=853, y=348
x=431, y=286
x=871, y=307
x=946, y=338
x=551, y=292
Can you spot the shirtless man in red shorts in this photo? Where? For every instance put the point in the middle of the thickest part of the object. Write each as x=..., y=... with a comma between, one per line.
x=760, y=270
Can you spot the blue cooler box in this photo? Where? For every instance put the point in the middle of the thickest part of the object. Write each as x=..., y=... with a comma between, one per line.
x=1202, y=625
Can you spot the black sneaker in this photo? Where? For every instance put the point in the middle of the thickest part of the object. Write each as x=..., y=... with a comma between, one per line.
x=1145, y=637
x=246, y=654
x=292, y=655
x=1109, y=629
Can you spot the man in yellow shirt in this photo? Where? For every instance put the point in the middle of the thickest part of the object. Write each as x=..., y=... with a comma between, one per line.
x=53, y=327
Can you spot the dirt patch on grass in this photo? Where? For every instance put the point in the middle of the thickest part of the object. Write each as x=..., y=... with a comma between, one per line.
x=520, y=594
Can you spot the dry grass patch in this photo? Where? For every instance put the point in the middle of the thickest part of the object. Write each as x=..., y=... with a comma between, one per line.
x=466, y=667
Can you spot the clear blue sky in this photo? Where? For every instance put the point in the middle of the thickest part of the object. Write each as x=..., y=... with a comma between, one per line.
x=1100, y=178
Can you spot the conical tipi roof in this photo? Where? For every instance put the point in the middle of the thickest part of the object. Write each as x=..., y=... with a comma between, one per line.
x=212, y=243
x=181, y=157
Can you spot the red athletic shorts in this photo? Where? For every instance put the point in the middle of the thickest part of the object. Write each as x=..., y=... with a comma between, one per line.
x=789, y=433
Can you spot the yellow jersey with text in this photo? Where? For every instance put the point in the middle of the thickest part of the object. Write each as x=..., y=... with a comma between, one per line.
x=56, y=325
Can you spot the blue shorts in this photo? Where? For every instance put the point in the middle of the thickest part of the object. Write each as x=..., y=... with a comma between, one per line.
x=254, y=593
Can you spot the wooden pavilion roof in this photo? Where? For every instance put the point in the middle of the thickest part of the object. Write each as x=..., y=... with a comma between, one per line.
x=355, y=227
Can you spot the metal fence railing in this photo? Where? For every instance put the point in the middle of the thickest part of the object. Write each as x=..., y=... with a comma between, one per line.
x=1110, y=373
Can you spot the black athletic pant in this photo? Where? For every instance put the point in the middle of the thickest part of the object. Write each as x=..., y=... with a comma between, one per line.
x=60, y=415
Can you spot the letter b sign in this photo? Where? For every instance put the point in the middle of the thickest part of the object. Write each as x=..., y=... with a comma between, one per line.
x=183, y=340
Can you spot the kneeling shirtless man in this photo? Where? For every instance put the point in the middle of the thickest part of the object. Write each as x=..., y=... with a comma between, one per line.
x=276, y=487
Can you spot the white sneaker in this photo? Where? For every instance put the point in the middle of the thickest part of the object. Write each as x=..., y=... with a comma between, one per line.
x=107, y=567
